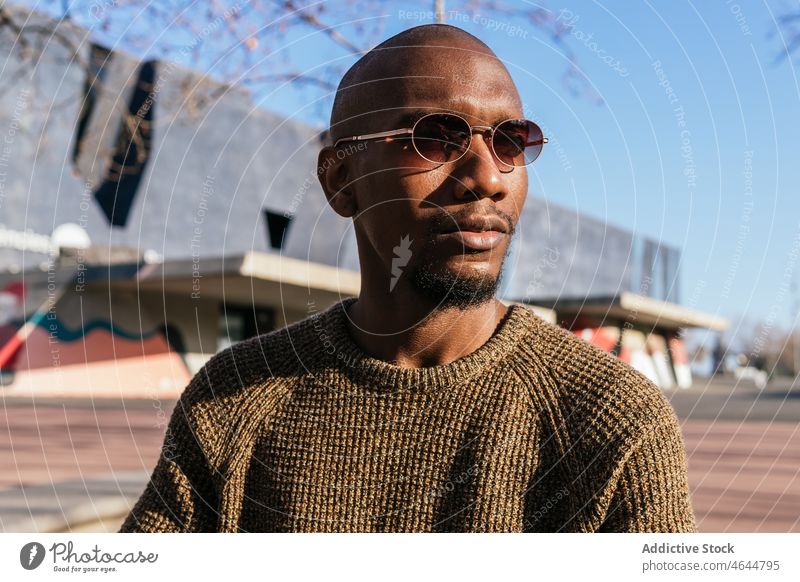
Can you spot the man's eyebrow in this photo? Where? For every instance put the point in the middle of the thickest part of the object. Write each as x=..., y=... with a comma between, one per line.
x=409, y=118
x=504, y=118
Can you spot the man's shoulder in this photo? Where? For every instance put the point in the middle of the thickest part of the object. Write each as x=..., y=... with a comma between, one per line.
x=566, y=354
x=240, y=386
x=263, y=360
x=591, y=384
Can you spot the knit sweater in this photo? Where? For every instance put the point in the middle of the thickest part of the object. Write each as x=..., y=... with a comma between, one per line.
x=298, y=430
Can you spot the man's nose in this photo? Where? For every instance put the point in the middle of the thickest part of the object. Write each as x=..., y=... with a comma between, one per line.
x=477, y=174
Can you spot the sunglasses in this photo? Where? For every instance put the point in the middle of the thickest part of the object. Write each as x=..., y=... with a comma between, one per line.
x=445, y=137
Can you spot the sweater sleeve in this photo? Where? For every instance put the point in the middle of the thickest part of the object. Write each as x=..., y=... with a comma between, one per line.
x=179, y=496
x=652, y=492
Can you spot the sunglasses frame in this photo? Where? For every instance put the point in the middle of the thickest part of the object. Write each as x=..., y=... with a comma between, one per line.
x=410, y=131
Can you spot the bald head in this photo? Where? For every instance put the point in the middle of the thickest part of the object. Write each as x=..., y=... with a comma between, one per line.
x=393, y=193
x=415, y=63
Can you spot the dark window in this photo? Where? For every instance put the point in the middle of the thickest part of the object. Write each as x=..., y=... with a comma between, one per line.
x=239, y=322
x=118, y=191
x=277, y=225
x=173, y=337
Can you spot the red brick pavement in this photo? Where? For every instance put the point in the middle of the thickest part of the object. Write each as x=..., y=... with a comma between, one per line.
x=745, y=477
x=51, y=441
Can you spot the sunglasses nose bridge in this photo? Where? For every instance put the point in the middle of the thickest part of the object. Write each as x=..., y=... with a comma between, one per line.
x=487, y=132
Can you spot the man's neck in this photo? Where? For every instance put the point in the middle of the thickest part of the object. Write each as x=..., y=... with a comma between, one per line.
x=412, y=335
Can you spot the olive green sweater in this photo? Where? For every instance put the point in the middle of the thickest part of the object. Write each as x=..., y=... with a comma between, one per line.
x=535, y=431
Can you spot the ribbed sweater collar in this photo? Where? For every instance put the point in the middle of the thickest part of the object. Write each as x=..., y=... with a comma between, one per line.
x=363, y=369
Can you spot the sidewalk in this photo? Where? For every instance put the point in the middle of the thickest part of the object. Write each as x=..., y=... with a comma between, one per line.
x=75, y=464
x=93, y=505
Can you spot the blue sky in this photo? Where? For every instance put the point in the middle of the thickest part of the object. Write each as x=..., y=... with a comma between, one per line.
x=695, y=142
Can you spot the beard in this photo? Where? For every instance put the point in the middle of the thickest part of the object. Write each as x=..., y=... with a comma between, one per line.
x=444, y=287
x=450, y=290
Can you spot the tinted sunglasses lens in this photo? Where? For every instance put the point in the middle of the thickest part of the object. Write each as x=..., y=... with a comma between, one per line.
x=518, y=142
x=441, y=138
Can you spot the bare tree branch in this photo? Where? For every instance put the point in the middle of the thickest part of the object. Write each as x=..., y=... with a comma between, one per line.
x=233, y=39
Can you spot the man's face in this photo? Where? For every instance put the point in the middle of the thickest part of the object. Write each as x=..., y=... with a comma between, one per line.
x=405, y=204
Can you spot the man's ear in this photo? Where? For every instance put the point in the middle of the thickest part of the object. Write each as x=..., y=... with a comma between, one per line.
x=335, y=181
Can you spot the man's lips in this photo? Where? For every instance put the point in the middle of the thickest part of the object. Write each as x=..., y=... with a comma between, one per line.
x=478, y=232
x=476, y=223
x=483, y=241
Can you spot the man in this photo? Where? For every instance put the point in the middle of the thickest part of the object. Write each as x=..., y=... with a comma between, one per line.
x=425, y=404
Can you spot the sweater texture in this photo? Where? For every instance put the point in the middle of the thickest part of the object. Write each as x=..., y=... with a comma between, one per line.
x=298, y=430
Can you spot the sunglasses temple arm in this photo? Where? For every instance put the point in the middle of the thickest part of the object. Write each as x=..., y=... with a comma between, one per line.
x=537, y=142
x=378, y=135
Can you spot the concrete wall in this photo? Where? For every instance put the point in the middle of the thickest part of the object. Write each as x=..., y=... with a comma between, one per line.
x=563, y=253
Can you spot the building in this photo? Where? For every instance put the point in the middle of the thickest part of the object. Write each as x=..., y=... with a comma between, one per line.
x=150, y=217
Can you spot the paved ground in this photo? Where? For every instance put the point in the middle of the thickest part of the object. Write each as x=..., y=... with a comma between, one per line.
x=75, y=465
x=743, y=448
x=725, y=399
x=83, y=462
